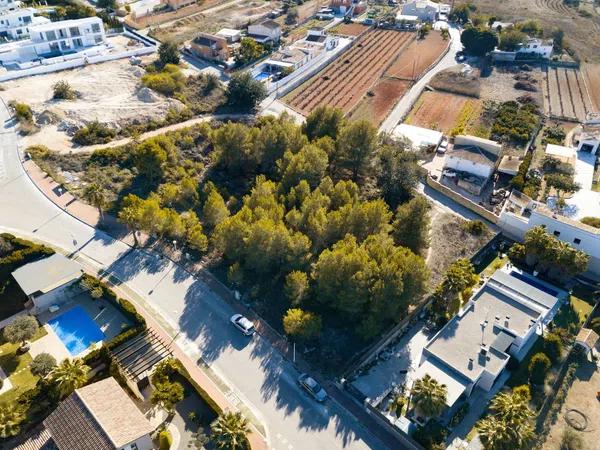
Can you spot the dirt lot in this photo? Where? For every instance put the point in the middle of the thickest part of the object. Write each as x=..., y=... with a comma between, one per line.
x=582, y=33
x=379, y=101
x=565, y=93
x=591, y=74
x=449, y=241
x=344, y=82
x=581, y=396
x=349, y=29
x=438, y=110
x=108, y=92
x=235, y=15
x=498, y=83
x=418, y=56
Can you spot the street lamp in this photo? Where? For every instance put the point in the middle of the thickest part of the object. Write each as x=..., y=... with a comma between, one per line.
x=175, y=244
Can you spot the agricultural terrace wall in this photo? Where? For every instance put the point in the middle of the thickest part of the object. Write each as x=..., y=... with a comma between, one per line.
x=488, y=215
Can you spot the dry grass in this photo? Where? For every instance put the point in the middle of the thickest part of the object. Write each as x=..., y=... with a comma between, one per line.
x=438, y=110
x=449, y=241
x=581, y=396
x=452, y=80
x=379, y=101
x=349, y=29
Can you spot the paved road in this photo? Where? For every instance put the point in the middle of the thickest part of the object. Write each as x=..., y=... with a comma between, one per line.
x=407, y=101
x=252, y=368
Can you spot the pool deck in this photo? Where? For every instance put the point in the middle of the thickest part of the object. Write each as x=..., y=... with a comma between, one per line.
x=108, y=318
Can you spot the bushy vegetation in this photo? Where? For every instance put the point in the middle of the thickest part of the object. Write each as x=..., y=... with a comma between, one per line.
x=248, y=51
x=591, y=221
x=515, y=123
x=548, y=255
x=244, y=92
x=94, y=133
x=62, y=90
x=478, y=41
x=167, y=81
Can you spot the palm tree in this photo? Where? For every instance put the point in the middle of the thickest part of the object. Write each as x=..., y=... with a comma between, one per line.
x=494, y=433
x=229, y=431
x=97, y=196
x=69, y=375
x=429, y=396
x=10, y=420
x=512, y=409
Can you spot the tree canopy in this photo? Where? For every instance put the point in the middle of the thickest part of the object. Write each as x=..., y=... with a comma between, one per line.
x=244, y=92
x=478, y=41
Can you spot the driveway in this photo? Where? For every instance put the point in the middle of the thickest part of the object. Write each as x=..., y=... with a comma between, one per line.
x=253, y=369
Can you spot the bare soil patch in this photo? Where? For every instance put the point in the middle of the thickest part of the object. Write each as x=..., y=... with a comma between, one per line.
x=591, y=77
x=498, y=84
x=109, y=92
x=437, y=110
x=344, y=82
x=418, y=56
x=349, y=29
x=379, y=101
x=582, y=397
x=583, y=33
x=566, y=93
x=449, y=241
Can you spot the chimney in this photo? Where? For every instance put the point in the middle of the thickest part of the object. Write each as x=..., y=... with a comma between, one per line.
x=471, y=363
x=506, y=321
x=483, y=349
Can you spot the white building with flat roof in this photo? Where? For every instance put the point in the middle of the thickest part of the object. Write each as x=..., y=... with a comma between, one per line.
x=55, y=39
x=9, y=5
x=15, y=23
x=417, y=136
x=539, y=47
x=502, y=319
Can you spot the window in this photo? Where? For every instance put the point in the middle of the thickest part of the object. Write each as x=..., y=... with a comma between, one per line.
x=95, y=28
x=62, y=33
x=74, y=31
x=77, y=42
x=577, y=241
x=51, y=35
x=97, y=39
x=27, y=19
x=556, y=233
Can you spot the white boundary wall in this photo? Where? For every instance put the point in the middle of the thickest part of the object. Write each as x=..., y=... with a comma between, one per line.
x=72, y=61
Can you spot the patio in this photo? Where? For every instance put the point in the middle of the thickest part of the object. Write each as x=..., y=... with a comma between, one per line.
x=108, y=318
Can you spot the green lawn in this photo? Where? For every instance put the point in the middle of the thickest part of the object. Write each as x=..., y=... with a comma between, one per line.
x=17, y=368
x=494, y=265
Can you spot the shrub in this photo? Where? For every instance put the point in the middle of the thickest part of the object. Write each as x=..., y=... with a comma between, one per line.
x=22, y=111
x=538, y=367
x=518, y=182
x=522, y=391
x=591, y=221
x=570, y=440
x=63, y=91
x=94, y=133
x=552, y=346
x=165, y=440
x=42, y=364
x=475, y=227
x=167, y=82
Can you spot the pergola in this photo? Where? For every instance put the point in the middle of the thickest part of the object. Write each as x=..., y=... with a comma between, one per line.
x=137, y=356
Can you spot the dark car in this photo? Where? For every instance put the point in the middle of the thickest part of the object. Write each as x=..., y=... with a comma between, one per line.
x=310, y=385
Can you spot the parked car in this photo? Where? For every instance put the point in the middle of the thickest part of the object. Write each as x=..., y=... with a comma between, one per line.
x=449, y=173
x=443, y=146
x=310, y=385
x=243, y=324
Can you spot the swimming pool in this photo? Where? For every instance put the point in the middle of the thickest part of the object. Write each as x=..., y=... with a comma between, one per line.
x=262, y=76
x=534, y=283
x=76, y=330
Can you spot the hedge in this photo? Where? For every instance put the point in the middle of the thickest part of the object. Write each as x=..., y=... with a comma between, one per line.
x=201, y=392
x=165, y=440
x=24, y=252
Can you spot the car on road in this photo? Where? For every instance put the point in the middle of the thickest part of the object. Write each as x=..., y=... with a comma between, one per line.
x=310, y=385
x=243, y=324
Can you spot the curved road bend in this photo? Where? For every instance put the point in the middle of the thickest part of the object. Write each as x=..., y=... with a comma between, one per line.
x=253, y=369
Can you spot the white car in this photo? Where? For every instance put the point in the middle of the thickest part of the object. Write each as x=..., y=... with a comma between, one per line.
x=243, y=324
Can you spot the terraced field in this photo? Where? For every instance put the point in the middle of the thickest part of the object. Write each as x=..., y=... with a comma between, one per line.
x=565, y=93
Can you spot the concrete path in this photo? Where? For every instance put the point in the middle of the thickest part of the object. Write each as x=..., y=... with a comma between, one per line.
x=405, y=104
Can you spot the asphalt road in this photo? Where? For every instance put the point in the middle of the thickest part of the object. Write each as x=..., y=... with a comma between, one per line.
x=256, y=373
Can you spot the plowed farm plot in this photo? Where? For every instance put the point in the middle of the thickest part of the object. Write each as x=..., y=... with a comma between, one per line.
x=565, y=93
x=349, y=29
x=345, y=81
x=379, y=101
x=591, y=73
x=438, y=110
x=418, y=56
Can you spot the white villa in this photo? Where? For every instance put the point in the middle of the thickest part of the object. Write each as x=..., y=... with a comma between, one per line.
x=53, y=39
x=502, y=319
x=538, y=47
x=15, y=23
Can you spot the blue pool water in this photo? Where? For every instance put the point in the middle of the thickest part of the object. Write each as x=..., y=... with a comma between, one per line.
x=76, y=330
x=262, y=76
x=534, y=283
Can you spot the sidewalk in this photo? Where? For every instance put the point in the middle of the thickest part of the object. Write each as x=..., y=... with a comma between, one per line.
x=90, y=215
